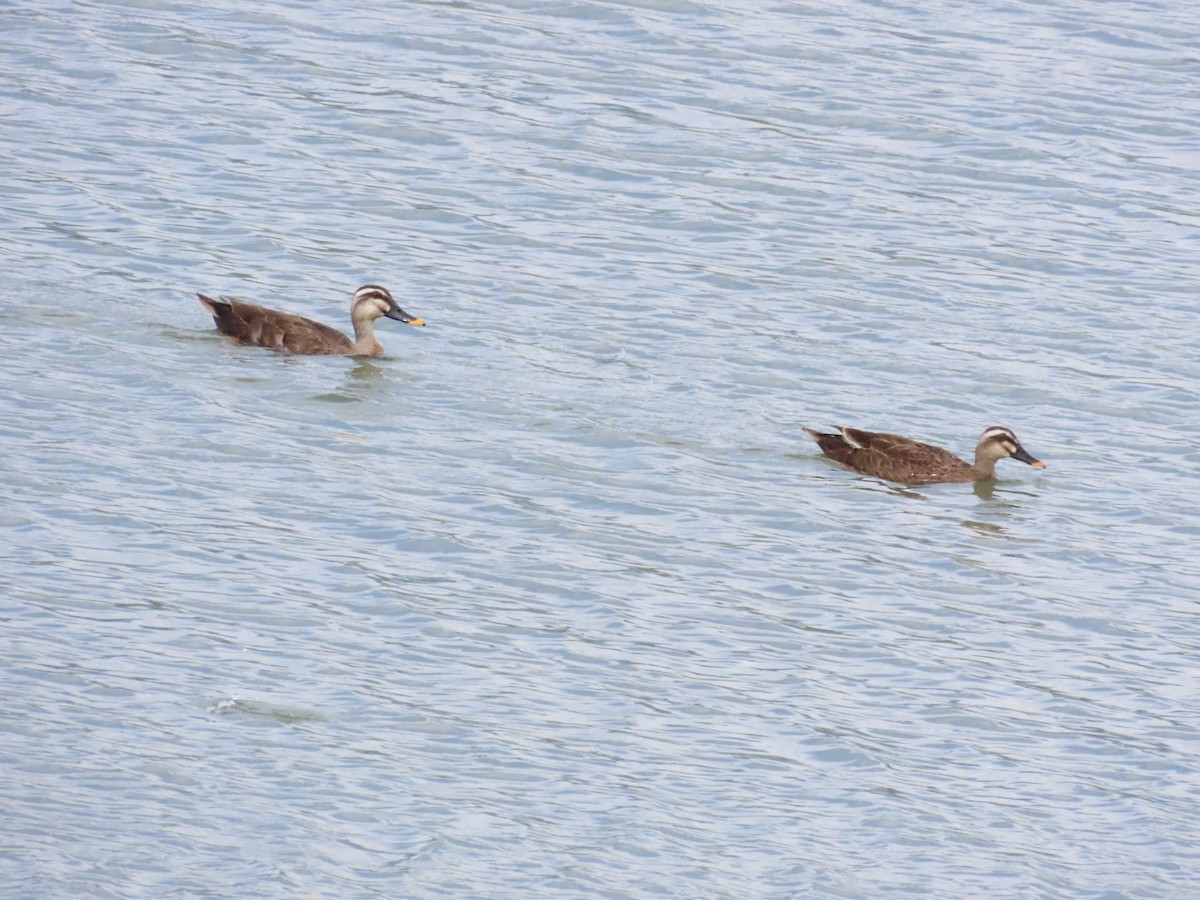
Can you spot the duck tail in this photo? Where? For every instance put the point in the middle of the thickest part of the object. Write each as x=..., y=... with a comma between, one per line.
x=218, y=309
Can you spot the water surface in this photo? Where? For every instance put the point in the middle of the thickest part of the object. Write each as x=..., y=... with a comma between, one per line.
x=557, y=599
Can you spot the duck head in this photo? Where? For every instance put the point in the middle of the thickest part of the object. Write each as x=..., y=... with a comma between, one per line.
x=371, y=302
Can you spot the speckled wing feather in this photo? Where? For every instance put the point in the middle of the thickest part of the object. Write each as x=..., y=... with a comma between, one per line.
x=902, y=459
x=248, y=323
x=892, y=457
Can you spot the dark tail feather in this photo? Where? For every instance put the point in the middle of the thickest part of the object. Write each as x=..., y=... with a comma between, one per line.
x=216, y=308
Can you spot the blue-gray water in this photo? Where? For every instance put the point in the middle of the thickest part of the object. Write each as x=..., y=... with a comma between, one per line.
x=557, y=599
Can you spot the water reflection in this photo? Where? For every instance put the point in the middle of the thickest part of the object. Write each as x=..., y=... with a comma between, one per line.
x=983, y=527
x=357, y=383
x=287, y=715
x=363, y=370
x=985, y=490
x=999, y=507
x=904, y=490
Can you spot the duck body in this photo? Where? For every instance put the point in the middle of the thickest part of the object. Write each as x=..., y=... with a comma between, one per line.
x=893, y=457
x=248, y=323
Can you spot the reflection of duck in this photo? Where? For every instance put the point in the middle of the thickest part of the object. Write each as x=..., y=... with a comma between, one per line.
x=262, y=327
x=896, y=458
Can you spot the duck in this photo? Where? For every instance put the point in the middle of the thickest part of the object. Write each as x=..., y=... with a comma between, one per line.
x=895, y=458
x=248, y=323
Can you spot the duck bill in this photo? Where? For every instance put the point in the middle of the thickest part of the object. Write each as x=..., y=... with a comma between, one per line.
x=401, y=316
x=1023, y=455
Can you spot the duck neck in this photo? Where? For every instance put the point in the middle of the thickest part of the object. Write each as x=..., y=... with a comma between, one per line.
x=985, y=464
x=364, y=338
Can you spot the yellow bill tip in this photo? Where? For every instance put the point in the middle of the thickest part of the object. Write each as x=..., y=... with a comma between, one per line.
x=416, y=322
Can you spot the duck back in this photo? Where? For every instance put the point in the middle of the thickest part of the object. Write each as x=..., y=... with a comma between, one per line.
x=248, y=323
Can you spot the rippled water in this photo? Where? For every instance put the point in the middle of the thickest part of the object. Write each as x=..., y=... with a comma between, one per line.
x=557, y=599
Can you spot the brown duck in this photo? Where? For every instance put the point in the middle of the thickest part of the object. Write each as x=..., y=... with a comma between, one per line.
x=895, y=458
x=262, y=327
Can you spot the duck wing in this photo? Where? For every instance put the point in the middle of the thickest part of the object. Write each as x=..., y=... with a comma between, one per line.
x=892, y=457
x=248, y=323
